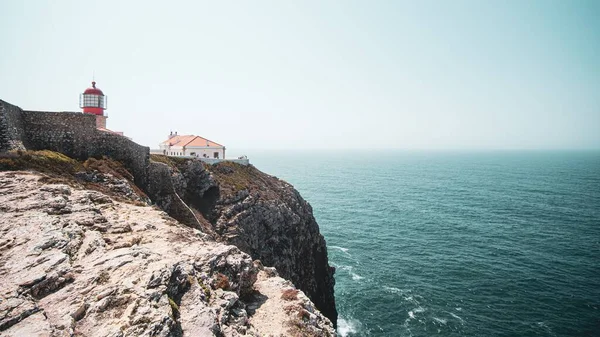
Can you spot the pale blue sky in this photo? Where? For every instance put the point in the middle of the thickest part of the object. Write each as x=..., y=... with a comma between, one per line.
x=311, y=74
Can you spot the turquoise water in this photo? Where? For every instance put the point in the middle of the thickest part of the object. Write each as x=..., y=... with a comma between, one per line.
x=456, y=244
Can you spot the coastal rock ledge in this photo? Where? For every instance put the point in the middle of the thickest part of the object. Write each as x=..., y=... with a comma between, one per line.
x=81, y=260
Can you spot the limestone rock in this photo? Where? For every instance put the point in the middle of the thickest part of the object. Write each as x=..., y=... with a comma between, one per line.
x=112, y=268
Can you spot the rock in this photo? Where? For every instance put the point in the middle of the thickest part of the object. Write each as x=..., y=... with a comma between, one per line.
x=140, y=273
x=261, y=215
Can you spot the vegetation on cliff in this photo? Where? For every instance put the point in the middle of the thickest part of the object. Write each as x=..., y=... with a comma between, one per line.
x=101, y=174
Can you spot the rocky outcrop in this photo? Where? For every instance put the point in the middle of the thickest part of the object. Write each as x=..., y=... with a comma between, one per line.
x=261, y=215
x=165, y=195
x=75, y=261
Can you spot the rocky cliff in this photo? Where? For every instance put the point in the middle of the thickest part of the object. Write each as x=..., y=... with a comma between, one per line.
x=81, y=253
x=263, y=216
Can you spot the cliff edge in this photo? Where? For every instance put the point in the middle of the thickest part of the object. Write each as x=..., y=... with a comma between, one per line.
x=88, y=257
x=262, y=215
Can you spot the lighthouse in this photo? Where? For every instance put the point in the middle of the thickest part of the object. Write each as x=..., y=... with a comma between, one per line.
x=93, y=102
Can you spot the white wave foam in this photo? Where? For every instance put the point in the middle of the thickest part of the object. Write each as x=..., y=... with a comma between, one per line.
x=352, y=274
x=546, y=328
x=412, y=300
x=345, y=327
x=345, y=250
x=411, y=314
x=393, y=290
x=457, y=317
x=440, y=320
x=356, y=277
x=419, y=309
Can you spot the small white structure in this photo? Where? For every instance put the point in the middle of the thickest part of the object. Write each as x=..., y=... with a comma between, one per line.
x=191, y=146
x=196, y=147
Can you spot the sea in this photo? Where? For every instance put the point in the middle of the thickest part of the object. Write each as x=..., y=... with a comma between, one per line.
x=456, y=243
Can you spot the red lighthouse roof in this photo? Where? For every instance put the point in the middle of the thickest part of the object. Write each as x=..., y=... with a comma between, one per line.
x=93, y=90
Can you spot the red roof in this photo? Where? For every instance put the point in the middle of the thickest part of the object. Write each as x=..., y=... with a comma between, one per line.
x=190, y=140
x=93, y=90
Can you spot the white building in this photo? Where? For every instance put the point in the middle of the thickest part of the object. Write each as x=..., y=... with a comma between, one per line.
x=191, y=146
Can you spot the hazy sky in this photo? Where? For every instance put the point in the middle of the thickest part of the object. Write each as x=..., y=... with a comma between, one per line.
x=312, y=74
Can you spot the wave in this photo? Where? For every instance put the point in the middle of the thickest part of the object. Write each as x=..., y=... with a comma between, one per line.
x=345, y=250
x=411, y=313
x=440, y=320
x=412, y=299
x=356, y=277
x=457, y=317
x=546, y=328
x=393, y=290
x=345, y=327
x=352, y=274
x=341, y=267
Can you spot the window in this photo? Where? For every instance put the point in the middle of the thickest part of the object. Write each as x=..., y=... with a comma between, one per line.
x=216, y=154
x=95, y=101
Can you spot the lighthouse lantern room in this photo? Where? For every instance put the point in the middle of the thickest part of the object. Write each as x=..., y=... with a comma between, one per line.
x=93, y=101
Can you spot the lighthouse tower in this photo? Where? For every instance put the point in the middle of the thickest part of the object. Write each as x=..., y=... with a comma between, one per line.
x=93, y=102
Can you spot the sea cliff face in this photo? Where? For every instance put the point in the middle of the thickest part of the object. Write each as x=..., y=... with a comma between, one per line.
x=262, y=215
x=88, y=257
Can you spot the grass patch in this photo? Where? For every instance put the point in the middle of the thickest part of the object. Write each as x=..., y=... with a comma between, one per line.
x=173, y=162
x=205, y=289
x=61, y=169
x=232, y=177
x=48, y=162
x=107, y=165
x=174, y=307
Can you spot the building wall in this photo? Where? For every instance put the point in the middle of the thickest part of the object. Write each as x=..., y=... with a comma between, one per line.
x=174, y=151
x=201, y=151
x=213, y=161
x=179, y=151
x=101, y=122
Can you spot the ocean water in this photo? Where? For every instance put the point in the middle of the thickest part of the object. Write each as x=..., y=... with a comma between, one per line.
x=456, y=243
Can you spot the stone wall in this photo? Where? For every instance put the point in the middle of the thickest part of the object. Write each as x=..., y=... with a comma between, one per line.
x=11, y=127
x=71, y=133
x=134, y=156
